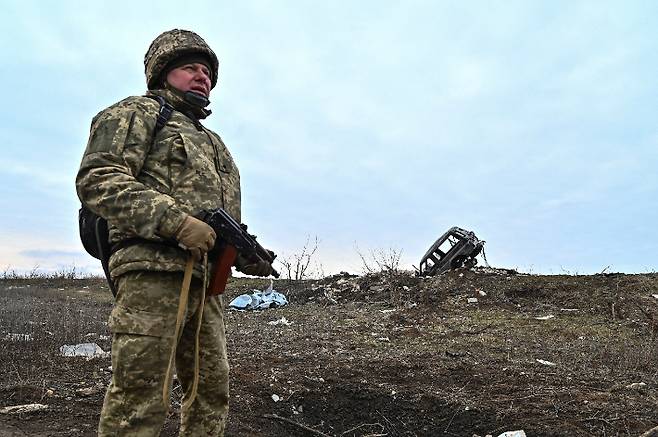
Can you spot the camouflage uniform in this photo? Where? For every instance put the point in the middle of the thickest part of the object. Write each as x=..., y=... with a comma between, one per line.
x=145, y=186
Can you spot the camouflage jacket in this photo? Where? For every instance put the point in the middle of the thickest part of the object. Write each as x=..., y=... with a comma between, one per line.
x=144, y=186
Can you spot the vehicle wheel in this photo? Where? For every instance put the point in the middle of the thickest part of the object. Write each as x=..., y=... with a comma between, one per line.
x=457, y=262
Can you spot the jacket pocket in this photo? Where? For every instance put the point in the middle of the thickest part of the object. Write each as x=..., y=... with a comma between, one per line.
x=125, y=320
x=197, y=157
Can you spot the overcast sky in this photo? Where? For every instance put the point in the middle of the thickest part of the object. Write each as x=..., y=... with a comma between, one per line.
x=369, y=124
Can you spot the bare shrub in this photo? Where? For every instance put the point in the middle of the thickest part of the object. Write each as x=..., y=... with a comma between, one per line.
x=387, y=262
x=300, y=265
x=380, y=260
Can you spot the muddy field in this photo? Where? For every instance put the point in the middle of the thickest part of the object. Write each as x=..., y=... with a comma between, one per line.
x=376, y=355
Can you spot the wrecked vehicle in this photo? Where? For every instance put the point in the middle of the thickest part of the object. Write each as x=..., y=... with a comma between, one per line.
x=456, y=248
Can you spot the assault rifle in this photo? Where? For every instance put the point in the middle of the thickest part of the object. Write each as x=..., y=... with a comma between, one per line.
x=232, y=239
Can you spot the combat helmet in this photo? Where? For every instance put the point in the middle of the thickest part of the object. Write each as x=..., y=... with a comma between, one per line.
x=172, y=45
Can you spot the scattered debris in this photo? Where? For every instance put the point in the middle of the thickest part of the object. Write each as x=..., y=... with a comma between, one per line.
x=19, y=337
x=519, y=433
x=636, y=385
x=23, y=409
x=276, y=398
x=87, y=350
x=472, y=300
x=482, y=293
x=456, y=248
x=548, y=317
x=329, y=296
x=89, y=391
x=308, y=430
x=655, y=296
x=497, y=271
x=281, y=321
x=259, y=300
x=546, y=363
x=569, y=310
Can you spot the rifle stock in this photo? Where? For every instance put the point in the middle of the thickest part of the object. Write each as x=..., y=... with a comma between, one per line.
x=222, y=271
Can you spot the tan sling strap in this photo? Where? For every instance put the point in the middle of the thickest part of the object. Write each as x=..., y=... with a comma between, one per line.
x=195, y=384
x=180, y=316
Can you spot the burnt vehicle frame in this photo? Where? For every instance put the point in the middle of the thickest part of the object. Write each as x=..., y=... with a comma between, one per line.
x=456, y=248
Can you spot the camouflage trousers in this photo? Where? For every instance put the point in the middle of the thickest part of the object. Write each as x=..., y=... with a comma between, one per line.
x=143, y=322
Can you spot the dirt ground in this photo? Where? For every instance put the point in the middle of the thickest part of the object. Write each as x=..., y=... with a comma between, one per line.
x=376, y=355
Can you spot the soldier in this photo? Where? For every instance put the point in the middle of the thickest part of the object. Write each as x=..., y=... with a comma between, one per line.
x=148, y=183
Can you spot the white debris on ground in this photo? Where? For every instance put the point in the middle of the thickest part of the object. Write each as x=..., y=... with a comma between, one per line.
x=89, y=391
x=655, y=296
x=548, y=317
x=472, y=300
x=636, y=385
x=259, y=300
x=87, y=350
x=22, y=409
x=19, y=337
x=546, y=363
x=519, y=433
x=281, y=321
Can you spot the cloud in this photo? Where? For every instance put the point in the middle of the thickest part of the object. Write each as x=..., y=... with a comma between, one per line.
x=387, y=123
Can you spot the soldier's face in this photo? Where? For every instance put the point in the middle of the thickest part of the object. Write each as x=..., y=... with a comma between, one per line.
x=191, y=77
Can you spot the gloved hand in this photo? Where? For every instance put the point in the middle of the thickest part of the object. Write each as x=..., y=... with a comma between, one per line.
x=196, y=236
x=259, y=268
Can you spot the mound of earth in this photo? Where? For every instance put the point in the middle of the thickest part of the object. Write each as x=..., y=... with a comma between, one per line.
x=470, y=352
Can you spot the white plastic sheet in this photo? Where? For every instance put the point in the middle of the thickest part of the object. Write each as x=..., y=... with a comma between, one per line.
x=259, y=300
x=87, y=350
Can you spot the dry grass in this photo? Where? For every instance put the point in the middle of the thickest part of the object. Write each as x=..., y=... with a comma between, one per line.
x=382, y=353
